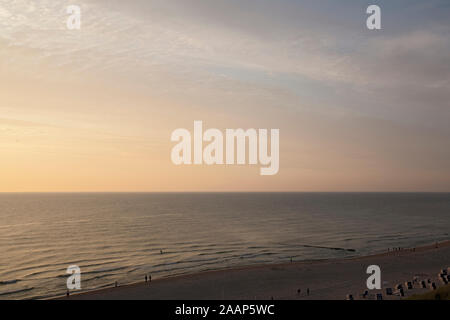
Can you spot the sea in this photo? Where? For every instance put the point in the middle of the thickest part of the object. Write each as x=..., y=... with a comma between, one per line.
x=121, y=237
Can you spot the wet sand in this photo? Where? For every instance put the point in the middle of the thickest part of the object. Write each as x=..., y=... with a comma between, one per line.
x=327, y=279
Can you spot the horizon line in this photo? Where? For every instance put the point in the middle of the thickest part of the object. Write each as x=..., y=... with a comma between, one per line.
x=292, y=191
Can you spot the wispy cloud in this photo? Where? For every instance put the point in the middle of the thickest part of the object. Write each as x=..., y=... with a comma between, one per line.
x=290, y=62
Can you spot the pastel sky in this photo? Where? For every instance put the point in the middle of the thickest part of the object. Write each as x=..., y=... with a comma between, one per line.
x=93, y=109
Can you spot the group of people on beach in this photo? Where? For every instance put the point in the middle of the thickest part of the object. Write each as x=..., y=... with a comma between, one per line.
x=299, y=291
x=148, y=278
x=401, y=249
x=395, y=249
x=413, y=249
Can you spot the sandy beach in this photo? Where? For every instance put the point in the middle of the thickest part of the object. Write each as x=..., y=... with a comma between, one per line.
x=326, y=279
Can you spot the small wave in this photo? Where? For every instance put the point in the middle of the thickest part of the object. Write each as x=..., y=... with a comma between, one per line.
x=95, y=271
x=6, y=282
x=329, y=248
x=100, y=277
x=133, y=270
x=16, y=291
x=216, y=252
x=106, y=270
x=19, y=225
x=255, y=255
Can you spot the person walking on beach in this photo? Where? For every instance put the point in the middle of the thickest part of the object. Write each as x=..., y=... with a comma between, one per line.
x=146, y=278
x=150, y=278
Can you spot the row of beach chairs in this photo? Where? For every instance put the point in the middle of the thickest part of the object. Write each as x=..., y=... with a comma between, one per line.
x=399, y=289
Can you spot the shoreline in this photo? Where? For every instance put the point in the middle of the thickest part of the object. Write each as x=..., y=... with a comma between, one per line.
x=260, y=280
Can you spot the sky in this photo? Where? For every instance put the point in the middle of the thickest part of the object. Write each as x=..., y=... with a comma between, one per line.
x=93, y=109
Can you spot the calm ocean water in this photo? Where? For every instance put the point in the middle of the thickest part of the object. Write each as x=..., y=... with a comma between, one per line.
x=118, y=237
